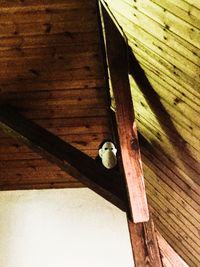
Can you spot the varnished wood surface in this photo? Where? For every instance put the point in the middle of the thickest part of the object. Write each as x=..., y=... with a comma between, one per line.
x=145, y=246
x=51, y=70
x=126, y=125
x=164, y=74
x=91, y=173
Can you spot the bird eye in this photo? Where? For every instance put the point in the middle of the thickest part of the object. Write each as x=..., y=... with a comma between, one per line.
x=106, y=148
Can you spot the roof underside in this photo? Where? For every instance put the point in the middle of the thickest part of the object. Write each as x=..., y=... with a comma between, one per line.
x=51, y=69
x=164, y=38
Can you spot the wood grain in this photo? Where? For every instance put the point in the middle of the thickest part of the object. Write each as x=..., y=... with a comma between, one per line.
x=52, y=71
x=108, y=184
x=164, y=75
x=118, y=68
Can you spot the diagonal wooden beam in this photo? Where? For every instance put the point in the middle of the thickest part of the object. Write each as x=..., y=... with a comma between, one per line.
x=143, y=238
x=106, y=183
x=118, y=68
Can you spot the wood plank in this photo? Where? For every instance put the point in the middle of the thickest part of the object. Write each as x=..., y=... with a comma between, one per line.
x=58, y=84
x=118, y=67
x=53, y=55
x=187, y=242
x=64, y=113
x=185, y=251
x=188, y=231
x=52, y=40
x=106, y=183
x=188, y=145
x=170, y=21
x=149, y=42
x=148, y=9
x=74, y=61
x=41, y=72
x=80, y=130
x=183, y=165
x=187, y=126
x=145, y=23
x=26, y=174
x=189, y=152
x=30, y=155
x=49, y=52
x=167, y=68
x=45, y=76
x=43, y=15
x=35, y=5
x=188, y=165
x=56, y=94
x=185, y=96
x=81, y=142
x=189, y=137
x=152, y=40
x=34, y=28
x=169, y=257
x=56, y=103
x=40, y=185
x=182, y=10
x=171, y=198
x=21, y=164
x=188, y=189
x=175, y=242
x=32, y=175
x=183, y=180
x=194, y=3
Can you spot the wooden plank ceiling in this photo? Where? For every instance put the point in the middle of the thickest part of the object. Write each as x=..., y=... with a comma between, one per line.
x=165, y=66
x=51, y=69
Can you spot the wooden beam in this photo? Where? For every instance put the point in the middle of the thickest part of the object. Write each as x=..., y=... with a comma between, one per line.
x=144, y=244
x=106, y=183
x=142, y=235
x=118, y=68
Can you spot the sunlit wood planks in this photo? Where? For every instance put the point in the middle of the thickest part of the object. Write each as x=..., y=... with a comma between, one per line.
x=169, y=257
x=164, y=37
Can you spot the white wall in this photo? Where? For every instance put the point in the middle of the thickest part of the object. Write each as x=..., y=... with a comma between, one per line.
x=61, y=228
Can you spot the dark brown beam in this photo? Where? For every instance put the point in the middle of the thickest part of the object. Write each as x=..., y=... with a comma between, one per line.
x=116, y=48
x=106, y=183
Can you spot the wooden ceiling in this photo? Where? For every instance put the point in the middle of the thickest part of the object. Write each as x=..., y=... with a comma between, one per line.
x=165, y=67
x=52, y=71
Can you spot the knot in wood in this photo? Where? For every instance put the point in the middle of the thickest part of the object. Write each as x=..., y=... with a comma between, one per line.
x=134, y=144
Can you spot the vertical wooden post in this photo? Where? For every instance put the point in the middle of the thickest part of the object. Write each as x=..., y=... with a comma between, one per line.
x=144, y=244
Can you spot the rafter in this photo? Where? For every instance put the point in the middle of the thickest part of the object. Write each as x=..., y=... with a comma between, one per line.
x=106, y=183
x=118, y=68
x=144, y=243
